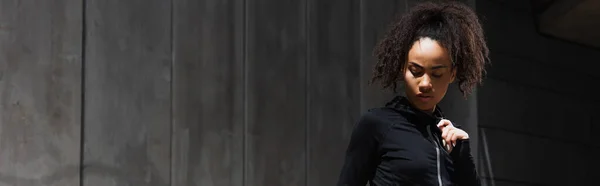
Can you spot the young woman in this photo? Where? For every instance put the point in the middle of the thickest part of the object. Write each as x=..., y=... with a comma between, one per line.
x=408, y=141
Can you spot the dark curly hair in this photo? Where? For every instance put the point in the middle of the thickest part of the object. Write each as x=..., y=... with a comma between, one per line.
x=454, y=25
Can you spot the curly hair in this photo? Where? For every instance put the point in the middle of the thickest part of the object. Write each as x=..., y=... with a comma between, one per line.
x=452, y=24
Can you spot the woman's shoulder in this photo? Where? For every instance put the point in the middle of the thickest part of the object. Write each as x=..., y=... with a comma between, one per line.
x=395, y=111
x=389, y=113
x=382, y=117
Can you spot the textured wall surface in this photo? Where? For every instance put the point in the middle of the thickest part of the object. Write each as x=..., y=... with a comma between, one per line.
x=127, y=97
x=40, y=89
x=208, y=93
x=535, y=109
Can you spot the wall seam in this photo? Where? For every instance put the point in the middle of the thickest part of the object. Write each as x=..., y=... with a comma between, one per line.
x=82, y=113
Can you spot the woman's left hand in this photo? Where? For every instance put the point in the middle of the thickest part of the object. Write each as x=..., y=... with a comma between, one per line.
x=451, y=134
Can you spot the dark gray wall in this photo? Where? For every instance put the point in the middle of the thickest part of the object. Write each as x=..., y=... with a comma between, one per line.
x=253, y=92
x=536, y=108
x=208, y=89
x=333, y=84
x=127, y=97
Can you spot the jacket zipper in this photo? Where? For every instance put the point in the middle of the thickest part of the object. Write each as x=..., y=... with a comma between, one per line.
x=437, y=151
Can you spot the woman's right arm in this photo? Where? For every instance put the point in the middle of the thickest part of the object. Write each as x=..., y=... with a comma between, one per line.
x=362, y=154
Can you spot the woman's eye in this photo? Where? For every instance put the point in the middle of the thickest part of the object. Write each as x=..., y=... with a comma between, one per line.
x=437, y=75
x=416, y=72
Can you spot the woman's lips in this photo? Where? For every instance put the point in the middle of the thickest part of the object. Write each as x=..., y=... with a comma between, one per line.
x=424, y=98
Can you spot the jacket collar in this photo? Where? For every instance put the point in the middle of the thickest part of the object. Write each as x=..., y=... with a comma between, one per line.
x=402, y=105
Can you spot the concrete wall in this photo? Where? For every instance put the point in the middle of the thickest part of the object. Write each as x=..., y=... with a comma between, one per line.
x=183, y=92
x=537, y=107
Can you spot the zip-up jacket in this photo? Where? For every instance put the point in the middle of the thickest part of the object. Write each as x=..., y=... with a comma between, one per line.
x=400, y=145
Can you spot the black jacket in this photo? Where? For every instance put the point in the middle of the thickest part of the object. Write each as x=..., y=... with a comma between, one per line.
x=401, y=145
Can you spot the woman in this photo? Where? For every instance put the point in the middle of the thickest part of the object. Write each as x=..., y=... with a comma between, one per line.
x=409, y=142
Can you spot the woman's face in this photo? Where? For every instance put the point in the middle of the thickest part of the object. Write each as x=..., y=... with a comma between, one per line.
x=427, y=74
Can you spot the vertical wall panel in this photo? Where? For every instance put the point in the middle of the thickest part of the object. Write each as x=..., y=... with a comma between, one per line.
x=40, y=92
x=127, y=93
x=276, y=93
x=208, y=92
x=334, y=86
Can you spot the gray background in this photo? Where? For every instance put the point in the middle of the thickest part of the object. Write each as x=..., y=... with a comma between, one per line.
x=263, y=93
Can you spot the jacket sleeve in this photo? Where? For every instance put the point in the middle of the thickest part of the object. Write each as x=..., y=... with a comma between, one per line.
x=362, y=155
x=466, y=173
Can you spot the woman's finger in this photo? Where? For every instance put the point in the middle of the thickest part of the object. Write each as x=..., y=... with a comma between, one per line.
x=449, y=137
x=445, y=132
x=443, y=123
x=454, y=137
x=448, y=142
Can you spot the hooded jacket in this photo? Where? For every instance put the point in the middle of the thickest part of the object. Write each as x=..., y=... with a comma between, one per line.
x=401, y=145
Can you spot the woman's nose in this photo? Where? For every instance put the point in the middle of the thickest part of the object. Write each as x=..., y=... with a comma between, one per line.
x=425, y=84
